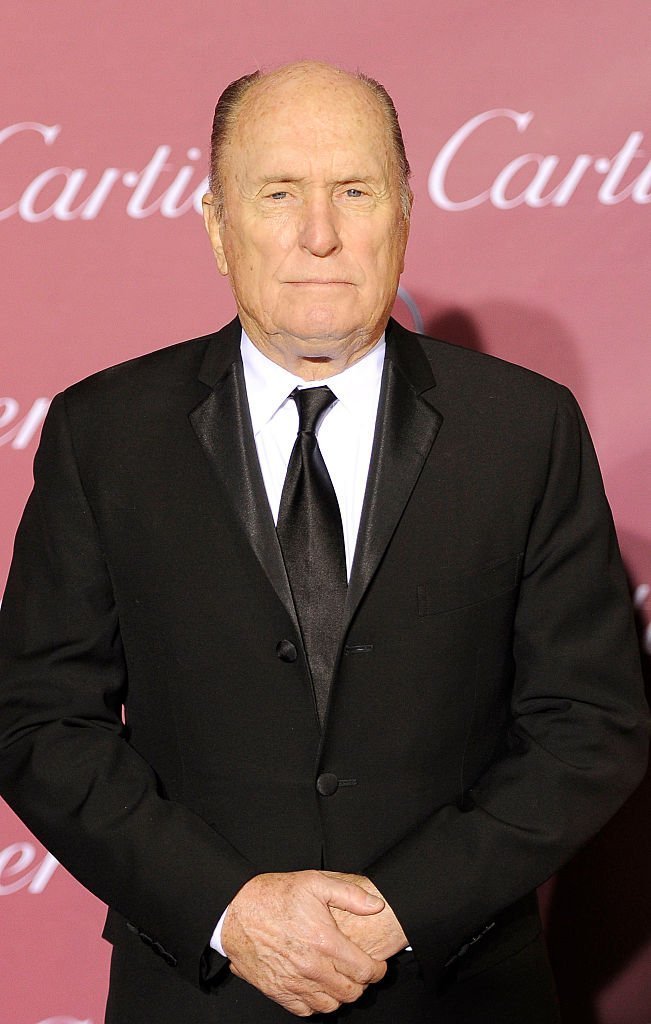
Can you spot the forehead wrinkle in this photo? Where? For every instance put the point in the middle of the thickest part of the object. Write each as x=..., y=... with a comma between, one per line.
x=319, y=110
x=327, y=151
x=332, y=157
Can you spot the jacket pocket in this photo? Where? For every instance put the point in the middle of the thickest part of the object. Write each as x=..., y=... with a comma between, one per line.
x=445, y=594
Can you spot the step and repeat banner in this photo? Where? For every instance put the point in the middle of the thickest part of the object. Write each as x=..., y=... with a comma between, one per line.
x=527, y=127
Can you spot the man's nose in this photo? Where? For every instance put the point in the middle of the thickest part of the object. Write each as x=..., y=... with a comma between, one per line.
x=318, y=232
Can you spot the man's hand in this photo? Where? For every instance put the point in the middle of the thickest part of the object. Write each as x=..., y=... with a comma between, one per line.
x=280, y=935
x=381, y=935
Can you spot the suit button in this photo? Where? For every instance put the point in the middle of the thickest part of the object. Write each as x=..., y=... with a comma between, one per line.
x=327, y=784
x=286, y=651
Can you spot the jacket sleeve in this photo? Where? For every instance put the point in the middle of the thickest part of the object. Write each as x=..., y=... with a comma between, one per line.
x=578, y=735
x=66, y=767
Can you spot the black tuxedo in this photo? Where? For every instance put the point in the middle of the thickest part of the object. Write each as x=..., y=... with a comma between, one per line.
x=485, y=717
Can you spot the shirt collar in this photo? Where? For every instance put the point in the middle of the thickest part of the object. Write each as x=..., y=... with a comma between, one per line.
x=268, y=385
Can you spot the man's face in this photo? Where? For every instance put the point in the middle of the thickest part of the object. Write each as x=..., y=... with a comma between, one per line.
x=312, y=234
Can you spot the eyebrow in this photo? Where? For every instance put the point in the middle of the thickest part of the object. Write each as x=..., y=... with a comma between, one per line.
x=291, y=179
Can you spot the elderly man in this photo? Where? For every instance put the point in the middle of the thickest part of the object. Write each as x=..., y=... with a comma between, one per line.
x=317, y=653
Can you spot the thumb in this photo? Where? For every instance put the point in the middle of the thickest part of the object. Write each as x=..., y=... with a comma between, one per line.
x=351, y=897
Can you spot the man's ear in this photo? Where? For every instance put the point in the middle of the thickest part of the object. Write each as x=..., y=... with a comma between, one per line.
x=213, y=223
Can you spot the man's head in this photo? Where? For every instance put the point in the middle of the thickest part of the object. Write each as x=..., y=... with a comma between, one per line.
x=309, y=211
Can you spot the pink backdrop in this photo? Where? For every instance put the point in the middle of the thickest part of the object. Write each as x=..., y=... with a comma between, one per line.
x=525, y=125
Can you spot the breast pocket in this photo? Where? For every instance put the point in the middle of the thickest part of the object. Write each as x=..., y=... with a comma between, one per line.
x=449, y=593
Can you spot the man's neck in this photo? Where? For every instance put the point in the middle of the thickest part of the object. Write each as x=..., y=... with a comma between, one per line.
x=334, y=356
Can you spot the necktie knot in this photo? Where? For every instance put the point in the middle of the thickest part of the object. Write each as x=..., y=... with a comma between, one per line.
x=311, y=404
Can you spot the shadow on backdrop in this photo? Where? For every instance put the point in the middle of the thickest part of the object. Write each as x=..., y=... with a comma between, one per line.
x=597, y=910
x=456, y=326
x=529, y=336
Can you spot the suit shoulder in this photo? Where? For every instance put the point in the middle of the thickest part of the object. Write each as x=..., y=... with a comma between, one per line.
x=149, y=371
x=488, y=375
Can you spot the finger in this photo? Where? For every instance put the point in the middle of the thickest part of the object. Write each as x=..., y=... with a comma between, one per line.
x=351, y=961
x=350, y=897
x=323, y=1002
x=318, y=989
x=325, y=993
x=331, y=973
x=350, y=991
x=290, y=1002
x=295, y=1006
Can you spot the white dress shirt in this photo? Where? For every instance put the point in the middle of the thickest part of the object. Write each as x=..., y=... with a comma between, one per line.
x=345, y=436
x=345, y=433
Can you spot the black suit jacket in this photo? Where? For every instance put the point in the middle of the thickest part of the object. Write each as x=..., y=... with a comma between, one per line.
x=486, y=714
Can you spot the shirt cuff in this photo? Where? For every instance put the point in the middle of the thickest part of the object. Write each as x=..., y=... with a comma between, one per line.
x=216, y=940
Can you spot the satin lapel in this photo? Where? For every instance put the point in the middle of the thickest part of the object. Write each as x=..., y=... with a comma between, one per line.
x=405, y=431
x=222, y=424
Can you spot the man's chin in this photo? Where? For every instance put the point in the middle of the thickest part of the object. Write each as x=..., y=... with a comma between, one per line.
x=314, y=340
x=321, y=338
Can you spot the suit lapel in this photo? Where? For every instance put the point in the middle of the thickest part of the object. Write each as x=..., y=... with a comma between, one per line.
x=406, y=428
x=222, y=423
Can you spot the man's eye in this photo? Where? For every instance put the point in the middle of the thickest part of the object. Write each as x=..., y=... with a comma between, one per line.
x=278, y=195
x=354, y=193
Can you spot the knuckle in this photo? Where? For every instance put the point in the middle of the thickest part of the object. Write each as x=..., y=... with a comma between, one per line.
x=322, y=939
x=295, y=1006
x=375, y=971
x=379, y=971
x=307, y=967
x=298, y=986
x=366, y=975
x=352, y=993
x=324, y=1003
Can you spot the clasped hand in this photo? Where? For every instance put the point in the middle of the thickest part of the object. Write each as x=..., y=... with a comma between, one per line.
x=310, y=940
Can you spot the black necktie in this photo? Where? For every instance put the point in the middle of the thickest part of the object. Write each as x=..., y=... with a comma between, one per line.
x=312, y=541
